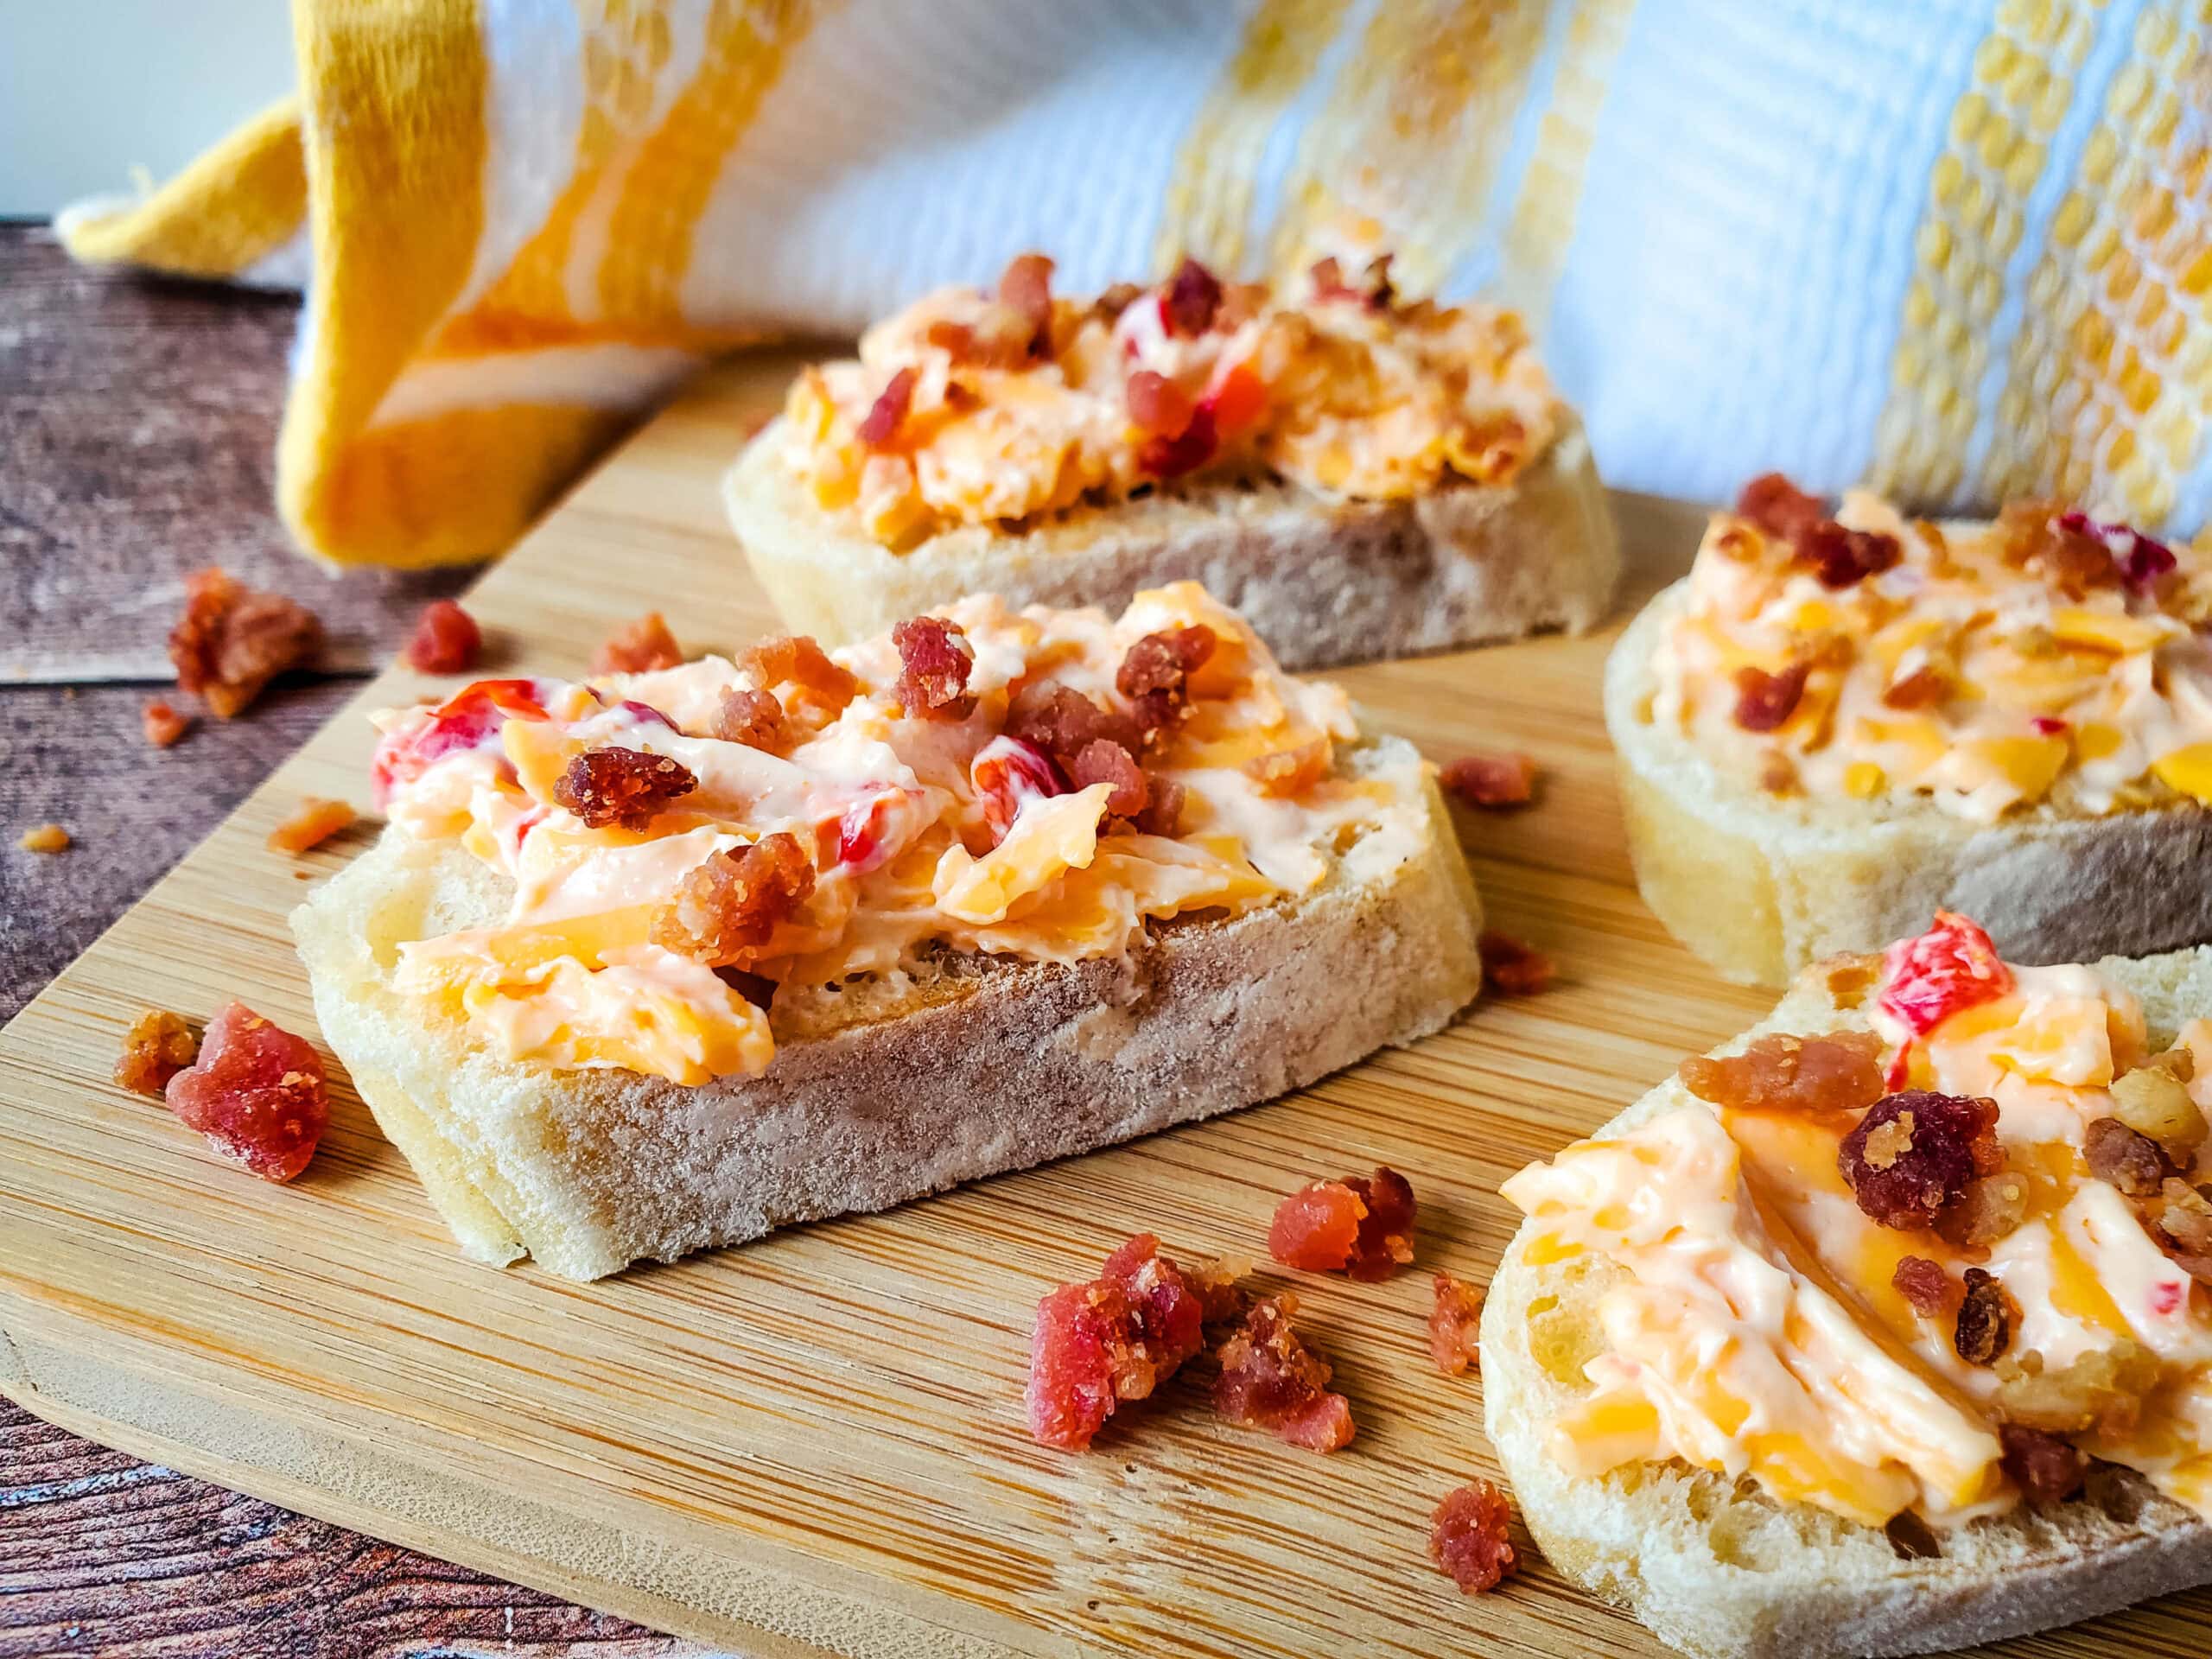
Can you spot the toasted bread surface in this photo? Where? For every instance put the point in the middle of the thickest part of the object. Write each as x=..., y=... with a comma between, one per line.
x=1718, y=1568
x=1323, y=579
x=881, y=1090
x=1760, y=884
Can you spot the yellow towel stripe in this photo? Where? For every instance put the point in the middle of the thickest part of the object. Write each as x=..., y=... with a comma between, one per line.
x=2109, y=383
x=1998, y=143
x=1209, y=204
x=232, y=208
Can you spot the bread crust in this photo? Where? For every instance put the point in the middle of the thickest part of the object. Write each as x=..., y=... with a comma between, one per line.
x=989, y=1066
x=1324, y=579
x=1719, y=1569
x=1760, y=886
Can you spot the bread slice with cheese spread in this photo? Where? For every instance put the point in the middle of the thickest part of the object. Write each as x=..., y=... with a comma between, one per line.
x=1718, y=1568
x=1760, y=880
x=1362, y=476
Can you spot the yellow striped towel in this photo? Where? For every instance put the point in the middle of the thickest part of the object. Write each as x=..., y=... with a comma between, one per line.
x=1957, y=249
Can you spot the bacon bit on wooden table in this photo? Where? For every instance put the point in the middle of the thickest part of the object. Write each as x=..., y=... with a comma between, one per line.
x=256, y=1092
x=313, y=822
x=1270, y=1379
x=158, y=1046
x=1454, y=1326
x=1516, y=969
x=1470, y=1537
x=1492, y=781
x=638, y=647
x=1361, y=1225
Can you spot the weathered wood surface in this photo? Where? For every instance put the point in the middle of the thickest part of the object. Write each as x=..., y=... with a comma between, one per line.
x=814, y=1444
x=137, y=420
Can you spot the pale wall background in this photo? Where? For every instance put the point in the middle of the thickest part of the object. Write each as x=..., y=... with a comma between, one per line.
x=90, y=89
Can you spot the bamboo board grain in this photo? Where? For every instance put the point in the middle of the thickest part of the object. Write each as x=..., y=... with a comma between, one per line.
x=813, y=1444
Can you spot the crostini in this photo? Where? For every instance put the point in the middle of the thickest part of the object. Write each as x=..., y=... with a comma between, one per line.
x=1886, y=1328
x=1835, y=725
x=1359, y=475
x=665, y=959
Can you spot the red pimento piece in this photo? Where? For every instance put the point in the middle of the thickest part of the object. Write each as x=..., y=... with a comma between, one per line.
x=2141, y=561
x=638, y=647
x=1471, y=1538
x=1925, y=980
x=446, y=639
x=1009, y=772
x=1491, y=780
x=1270, y=1379
x=2047, y=725
x=256, y=1092
x=1764, y=701
x=162, y=724
x=1158, y=407
x=1779, y=507
x=935, y=659
x=1192, y=300
x=1454, y=1326
x=465, y=720
x=1116, y=1339
x=1516, y=969
x=888, y=413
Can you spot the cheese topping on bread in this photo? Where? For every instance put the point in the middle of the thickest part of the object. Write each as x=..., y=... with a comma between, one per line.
x=2040, y=657
x=998, y=783
x=976, y=407
x=1766, y=1321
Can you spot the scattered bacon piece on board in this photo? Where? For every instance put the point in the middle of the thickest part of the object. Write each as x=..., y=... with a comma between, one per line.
x=256, y=1092
x=446, y=639
x=1270, y=1379
x=638, y=647
x=232, y=640
x=164, y=724
x=1516, y=969
x=44, y=838
x=1491, y=780
x=1363, y=1225
x=313, y=822
x=1454, y=1339
x=158, y=1046
x=1470, y=1538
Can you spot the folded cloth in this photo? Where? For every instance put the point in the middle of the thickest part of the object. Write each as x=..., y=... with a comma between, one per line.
x=1957, y=249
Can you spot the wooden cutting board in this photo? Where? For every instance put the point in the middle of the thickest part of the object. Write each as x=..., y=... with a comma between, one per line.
x=815, y=1444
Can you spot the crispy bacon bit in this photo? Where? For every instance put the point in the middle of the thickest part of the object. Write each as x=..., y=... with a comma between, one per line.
x=1117, y=1338
x=1987, y=1316
x=1470, y=1537
x=624, y=787
x=313, y=822
x=164, y=724
x=2102, y=1389
x=1839, y=1072
x=2121, y=1157
x=1513, y=968
x=44, y=838
x=1491, y=780
x=2180, y=1218
x=1192, y=298
x=796, y=660
x=1764, y=701
x=753, y=718
x=935, y=659
x=256, y=1092
x=638, y=647
x=1841, y=558
x=2141, y=561
x=888, y=413
x=1454, y=1326
x=1026, y=288
x=2046, y=1469
x=728, y=907
x=232, y=640
x=1990, y=1209
x=1912, y=1154
x=1163, y=813
x=1103, y=761
x=1158, y=407
x=446, y=639
x=1270, y=1379
x=1361, y=1225
x=1062, y=722
x=1779, y=507
x=1925, y=1285
x=2034, y=535
x=1925, y=980
x=1155, y=673
x=158, y=1046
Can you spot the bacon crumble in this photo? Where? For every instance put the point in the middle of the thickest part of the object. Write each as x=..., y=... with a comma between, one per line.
x=256, y=1092
x=2045, y=1468
x=1837, y=558
x=1911, y=1156
x=1925, y=1285
x=1839, y=1071
x=1155, y=673
x=935, y=660
x=163, y=724
x=728, y=906
x=1492, y=781
x=1361, y=1225
x=1104, y=761
x=314, y=820
x=158, y=1046
x=1271, y=1379
x=1026, y=289
x=638, y=647
x=1986, y=1320
x=1513, y=968
x=798, y=661
x=1455, y=1324
x=2121, y=1158
x=1192, y=301
x=753, y=718
x=1777, y=506
x=446, y=639
x=1470, y=1537
x=232, y=640
x=888, y=413
x=625, y=786
x=1765, y=701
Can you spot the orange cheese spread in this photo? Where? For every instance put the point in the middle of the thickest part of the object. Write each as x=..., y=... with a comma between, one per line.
x=909, y=816
x=1992, y=668
x=1761, y=1323
x=975, y=408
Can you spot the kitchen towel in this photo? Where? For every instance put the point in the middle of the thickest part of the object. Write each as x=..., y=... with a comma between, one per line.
x=1955, y=248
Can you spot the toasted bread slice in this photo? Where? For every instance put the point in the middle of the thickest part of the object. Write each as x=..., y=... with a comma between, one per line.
x=1721, y=1570
x=1760, y=884
x=882, y=1090
x=1324, y=579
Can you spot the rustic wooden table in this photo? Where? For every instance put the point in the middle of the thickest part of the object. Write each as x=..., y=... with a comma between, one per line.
x=138, y=421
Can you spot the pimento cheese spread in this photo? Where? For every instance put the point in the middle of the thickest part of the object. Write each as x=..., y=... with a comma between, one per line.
x=973, y=407
x=909, y=812
x=1764, y=1322
x=2043, y=657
